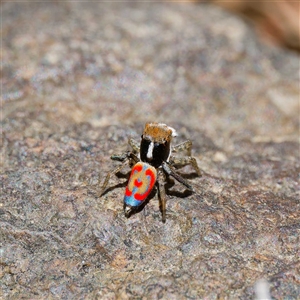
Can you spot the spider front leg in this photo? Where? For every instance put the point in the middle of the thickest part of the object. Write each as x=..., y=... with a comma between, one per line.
x=134, y=145
x=187, y=145
x=162, y=194
x=124, y=158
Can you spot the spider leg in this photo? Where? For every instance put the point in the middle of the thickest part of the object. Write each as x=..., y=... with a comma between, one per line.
x=110, y=174
x=187, y=145
x=120, y=157
x=124, y=158
x=162, y=194
x=171, y=171
x=185, y=160
x=134, y=145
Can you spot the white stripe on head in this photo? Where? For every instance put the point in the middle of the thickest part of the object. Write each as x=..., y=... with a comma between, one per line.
x=150, y=151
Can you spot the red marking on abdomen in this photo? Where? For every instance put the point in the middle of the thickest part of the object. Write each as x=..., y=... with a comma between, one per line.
x=137, y=183
x=127, y=192
x=138, y=168
x=141, y=197
x=152, y=176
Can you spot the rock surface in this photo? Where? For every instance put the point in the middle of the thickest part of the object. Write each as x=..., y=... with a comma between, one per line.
x=79, y=79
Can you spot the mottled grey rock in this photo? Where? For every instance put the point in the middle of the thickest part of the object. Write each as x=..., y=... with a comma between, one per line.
x=79, y=79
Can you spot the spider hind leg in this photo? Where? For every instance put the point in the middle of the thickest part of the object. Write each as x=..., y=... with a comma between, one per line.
x=124, y=158
x=162, y=194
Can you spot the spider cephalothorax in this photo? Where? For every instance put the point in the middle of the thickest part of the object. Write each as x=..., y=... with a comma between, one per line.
x=156, y=143
x=153, y=161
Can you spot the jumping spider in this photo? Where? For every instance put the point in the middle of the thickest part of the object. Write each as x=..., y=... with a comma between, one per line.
x=152, y=163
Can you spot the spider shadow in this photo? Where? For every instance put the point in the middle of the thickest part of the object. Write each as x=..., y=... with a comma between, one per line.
x=141, y=207
x=186, y=175
x=111, y=188
x=119, y=175
x=168, y=185
x=170, y=182
x=180, y=194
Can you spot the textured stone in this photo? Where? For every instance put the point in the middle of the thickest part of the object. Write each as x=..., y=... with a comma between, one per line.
x=79, y=79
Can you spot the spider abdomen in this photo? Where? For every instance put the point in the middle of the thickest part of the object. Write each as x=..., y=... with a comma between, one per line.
x=141, y=182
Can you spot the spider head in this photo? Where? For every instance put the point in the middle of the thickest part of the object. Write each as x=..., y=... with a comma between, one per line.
x=156, y=143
